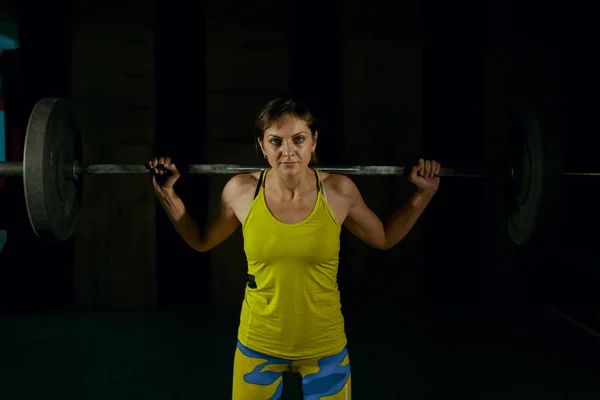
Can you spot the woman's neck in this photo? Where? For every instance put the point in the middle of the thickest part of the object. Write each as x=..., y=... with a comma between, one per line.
x=293, y=186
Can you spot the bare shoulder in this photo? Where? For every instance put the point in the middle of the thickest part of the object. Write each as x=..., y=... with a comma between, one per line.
x=341, y=184
x=241, y=185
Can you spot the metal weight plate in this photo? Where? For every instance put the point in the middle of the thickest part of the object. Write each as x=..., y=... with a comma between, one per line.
x=526, y=187
x=51, y=198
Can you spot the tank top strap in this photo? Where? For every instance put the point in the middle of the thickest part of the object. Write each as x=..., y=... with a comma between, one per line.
x=320, y=183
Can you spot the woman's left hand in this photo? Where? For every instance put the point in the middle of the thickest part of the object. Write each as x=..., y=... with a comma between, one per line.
x=424, y=176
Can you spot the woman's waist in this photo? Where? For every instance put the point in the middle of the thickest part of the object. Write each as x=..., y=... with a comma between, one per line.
x=292, y=342
x=294, y=304
x=272, y=280
x=291, y=296
x=294, y=328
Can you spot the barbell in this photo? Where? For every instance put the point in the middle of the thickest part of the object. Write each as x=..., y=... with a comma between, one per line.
x=50, y=168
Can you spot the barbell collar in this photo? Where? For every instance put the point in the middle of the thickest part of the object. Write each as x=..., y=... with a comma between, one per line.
x=11, y=169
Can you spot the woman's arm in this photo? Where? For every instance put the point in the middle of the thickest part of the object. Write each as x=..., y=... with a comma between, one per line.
x=365, y=224
x=217, y=230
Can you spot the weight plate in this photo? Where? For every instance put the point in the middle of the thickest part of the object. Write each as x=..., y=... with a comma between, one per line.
x=51, y=198
x=527, y=184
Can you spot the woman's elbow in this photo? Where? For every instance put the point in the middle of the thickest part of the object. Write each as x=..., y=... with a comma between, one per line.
x=380, y=244
x=384, y=247
x=388, y=244
x=200, y=247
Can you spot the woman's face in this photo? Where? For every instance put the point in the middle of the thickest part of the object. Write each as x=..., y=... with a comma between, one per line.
x=288, y=145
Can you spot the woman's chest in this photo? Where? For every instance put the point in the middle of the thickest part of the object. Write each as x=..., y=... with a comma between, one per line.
x=294, y=212
x=315, y=240
x=291, y=211
x=315, y=245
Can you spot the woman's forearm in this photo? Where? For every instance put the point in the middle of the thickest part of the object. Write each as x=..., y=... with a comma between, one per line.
x=403, y=220
x=184, y=223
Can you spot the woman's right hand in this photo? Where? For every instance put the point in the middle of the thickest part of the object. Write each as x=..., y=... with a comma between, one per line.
x=167, y=172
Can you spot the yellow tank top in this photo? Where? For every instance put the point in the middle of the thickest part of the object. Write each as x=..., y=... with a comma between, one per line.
x=292, y=306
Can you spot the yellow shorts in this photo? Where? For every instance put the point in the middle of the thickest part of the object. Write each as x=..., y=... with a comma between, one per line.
x=259, y=377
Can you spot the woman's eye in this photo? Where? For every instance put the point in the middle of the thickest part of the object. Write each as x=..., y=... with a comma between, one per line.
x=275, y=142
x=299, y=139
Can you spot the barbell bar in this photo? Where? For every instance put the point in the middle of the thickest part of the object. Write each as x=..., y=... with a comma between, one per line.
x=229, y=169
x=50, y=168
x=14, y=169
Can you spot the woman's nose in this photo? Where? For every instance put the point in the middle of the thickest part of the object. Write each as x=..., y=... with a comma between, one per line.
x=287, y=148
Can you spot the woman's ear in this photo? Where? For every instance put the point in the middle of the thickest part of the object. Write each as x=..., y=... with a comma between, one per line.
x=313, y=153
x=259, y=146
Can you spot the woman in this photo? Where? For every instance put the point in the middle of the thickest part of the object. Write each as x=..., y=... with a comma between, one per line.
x=291, y=217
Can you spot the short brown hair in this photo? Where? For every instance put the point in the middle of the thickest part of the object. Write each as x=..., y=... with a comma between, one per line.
x=279, y=108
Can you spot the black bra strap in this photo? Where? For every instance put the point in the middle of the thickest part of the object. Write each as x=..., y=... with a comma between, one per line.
x=262, y=174
x=318, y=180
x=260, y=180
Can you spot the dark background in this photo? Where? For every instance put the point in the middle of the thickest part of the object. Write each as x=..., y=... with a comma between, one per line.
x=126, y=310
